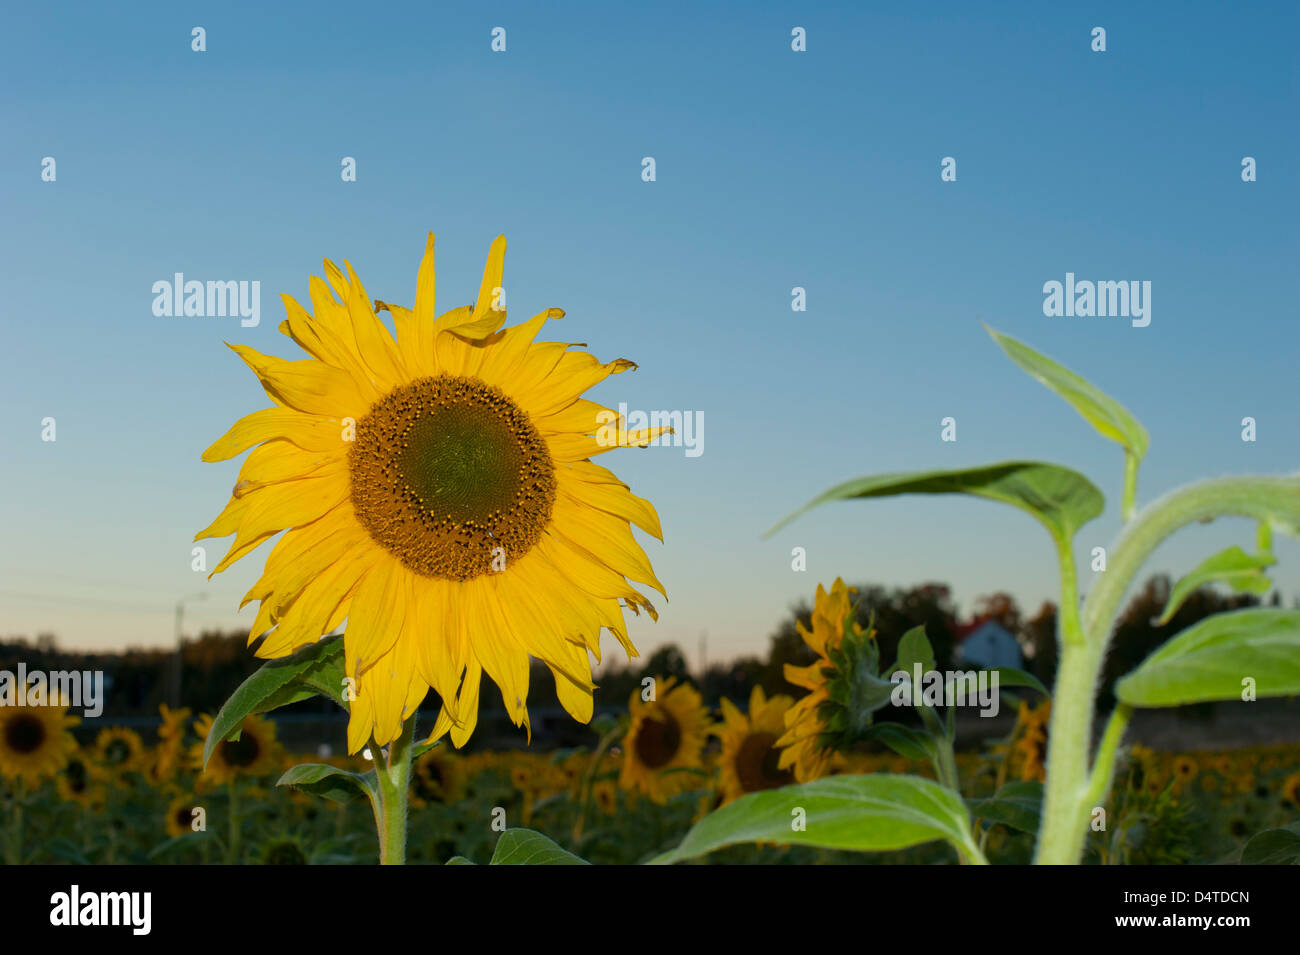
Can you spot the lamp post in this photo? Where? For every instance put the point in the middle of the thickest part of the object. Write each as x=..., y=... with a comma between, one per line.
x=175, y=680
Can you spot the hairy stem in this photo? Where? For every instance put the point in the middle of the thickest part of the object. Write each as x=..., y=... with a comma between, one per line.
x=1070, y=790
x=394, y=780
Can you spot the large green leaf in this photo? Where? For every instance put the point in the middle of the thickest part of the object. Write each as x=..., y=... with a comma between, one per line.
x=526, y=847
x=1274, y=847
x=1209, y=660
x=330, y=782
x=1063, y=500
x=1017, y=804
x=877, y=812
x=1111, y=419
x=315, y=670
x=1243, y=572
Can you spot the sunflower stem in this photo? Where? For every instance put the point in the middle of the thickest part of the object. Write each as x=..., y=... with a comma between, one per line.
x=588, y=779
x=394, y=791
x=14, y=850
x=232, y=849
x=1073, y=786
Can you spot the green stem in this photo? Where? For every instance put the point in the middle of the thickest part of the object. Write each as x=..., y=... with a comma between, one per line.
x=394, y=791
x=585, y=794
x=232, y=850
x=1070, y=792
x=1103, y=761
x=1129, y=507
x=945, y=763
x=14, y=850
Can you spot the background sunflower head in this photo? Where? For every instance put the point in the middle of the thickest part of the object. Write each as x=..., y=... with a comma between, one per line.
x=843, y=685
x=255, y=753
x=35, y=741
x=82, y=781
x=665, y=737
x=750, y=759
x=119, y=750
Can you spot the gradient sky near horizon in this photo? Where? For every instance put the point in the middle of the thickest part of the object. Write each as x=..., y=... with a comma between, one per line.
x=775, y=169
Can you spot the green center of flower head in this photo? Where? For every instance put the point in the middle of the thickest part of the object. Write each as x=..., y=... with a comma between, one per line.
x=451, y=477
x=460, y=461
x=24, y=734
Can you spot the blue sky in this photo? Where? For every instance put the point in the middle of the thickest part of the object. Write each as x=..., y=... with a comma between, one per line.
x=775, y=169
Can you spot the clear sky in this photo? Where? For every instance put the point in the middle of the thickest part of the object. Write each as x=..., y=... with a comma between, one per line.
x=774, y=169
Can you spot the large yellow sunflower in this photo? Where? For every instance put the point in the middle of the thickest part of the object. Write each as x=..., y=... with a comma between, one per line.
x=666, y=734
x=437, y=493
x=806, y=749
x=750, y=759
x=34, y=741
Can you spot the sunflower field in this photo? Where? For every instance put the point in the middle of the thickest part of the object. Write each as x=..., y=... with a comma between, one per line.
x=432, y=489
x=124, y=799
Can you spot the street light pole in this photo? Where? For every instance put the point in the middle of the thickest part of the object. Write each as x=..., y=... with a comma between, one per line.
x=175, y=681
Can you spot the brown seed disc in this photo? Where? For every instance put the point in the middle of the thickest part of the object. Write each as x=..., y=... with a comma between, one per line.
x=451, y=477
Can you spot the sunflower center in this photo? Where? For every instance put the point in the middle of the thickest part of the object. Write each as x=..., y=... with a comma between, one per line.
x=241, y=752
x=658, y=740
x=451, y=477
x=117, y=751
x=757, y=764
x=185, y=817
x=24, y=734
x=77, y=778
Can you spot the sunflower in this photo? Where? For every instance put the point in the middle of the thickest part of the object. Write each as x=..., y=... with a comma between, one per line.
x=667, y=733
x=167, y=757
x=119, y=750
x=183, y=814
x=437, y=492
x=750, y=756
x=253, y=754
x=82, y=781
x=34, y=741
x=1291, y=789
x=1030, y=748
x=436, y=776
x=809, y=739
x=1184, y=769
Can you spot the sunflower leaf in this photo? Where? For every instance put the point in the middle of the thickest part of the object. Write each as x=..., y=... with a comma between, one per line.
x=1018, y=805
x=1214, y=659
x=1111, y=419
x=1273, y=847
x=903, y=740
x=913, y=648
x=330, y=782
x=871, y=813
x=309, y=672
x=1061, y=499
x=526, y=847
x=1010, y=676
x=1242, y=572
